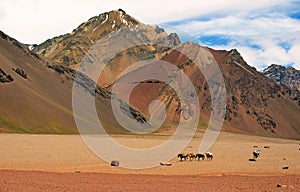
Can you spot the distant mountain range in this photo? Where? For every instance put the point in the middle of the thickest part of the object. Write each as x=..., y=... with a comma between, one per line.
x=42, y=102
x=289, y=77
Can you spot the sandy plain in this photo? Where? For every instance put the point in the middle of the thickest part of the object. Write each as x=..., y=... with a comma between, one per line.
x=65, y=163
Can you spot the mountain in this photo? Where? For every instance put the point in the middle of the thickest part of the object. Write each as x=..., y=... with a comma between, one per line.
x=289, y=77
x=255, y=104
x=36, y=97
x=69, y=49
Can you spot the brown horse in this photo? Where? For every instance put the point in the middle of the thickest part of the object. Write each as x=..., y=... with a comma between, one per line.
x=191, y=156
x=209, y=155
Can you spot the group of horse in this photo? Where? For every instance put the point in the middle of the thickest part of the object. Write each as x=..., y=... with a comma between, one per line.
x=193, y=156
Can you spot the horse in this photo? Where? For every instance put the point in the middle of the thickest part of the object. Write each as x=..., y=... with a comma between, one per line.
x=182, y=156
x=191, y=156
x=209, y=155
x=256, y=154
x=200, y=156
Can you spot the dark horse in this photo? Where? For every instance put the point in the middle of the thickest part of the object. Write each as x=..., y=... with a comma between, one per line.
x=200, y=156
x=209, y=155
x=182, y=156
x=256, y=154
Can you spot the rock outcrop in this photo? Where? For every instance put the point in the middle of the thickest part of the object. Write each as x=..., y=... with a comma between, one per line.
x=5, y=78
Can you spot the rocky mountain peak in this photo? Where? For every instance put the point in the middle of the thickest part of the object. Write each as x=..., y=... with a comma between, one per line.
x=113, y=19
x=235, y=57
x=69, y=49
x=289, y=77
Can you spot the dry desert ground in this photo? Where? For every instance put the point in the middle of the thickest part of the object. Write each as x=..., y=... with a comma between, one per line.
x=65, y=163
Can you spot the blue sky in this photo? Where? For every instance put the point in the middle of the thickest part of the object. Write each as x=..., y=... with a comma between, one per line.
x=264, y=35
x=263, y=31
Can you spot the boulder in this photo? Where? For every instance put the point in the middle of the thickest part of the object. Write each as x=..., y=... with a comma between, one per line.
x=115, y=163
x=165, y=163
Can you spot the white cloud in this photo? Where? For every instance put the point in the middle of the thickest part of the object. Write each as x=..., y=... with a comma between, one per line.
x=240, y=25
x=33, y=21
x=294, y=53
x=258, y=39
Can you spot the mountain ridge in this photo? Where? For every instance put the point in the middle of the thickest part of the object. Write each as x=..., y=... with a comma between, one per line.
x=252, y=99
x=250, y=94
